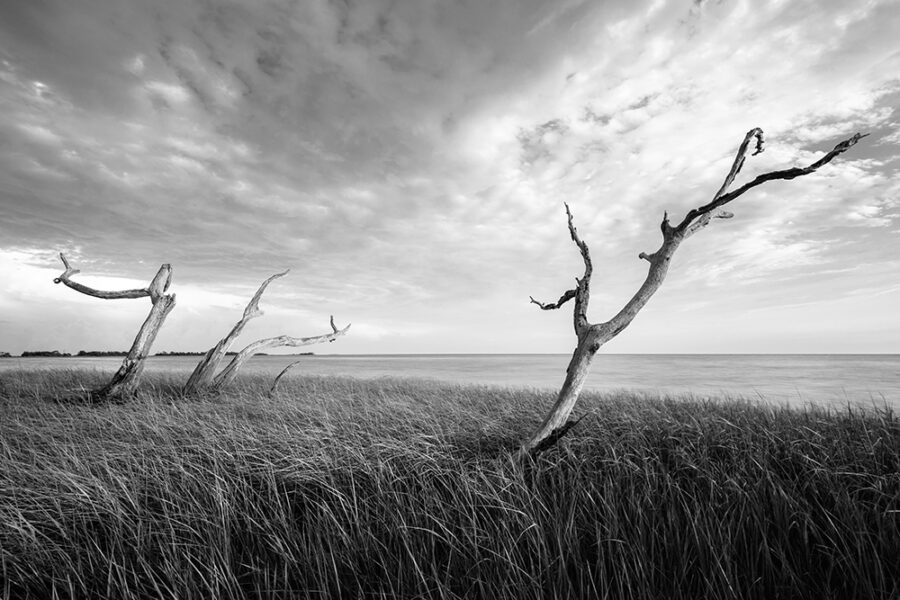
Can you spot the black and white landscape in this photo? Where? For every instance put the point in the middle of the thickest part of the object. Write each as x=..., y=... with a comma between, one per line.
x=449, y=299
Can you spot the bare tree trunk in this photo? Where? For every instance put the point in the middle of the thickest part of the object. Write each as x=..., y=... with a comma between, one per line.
x=125, y=380
x=592, y=336
x=230, y=372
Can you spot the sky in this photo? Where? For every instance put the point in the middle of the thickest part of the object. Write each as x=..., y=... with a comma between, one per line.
x=408, y=160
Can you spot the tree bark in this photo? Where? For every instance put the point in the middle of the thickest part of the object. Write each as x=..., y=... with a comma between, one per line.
x=557, y=419
x=205, y=371
x=124, y=383
x=230, y=372
x=592, y=336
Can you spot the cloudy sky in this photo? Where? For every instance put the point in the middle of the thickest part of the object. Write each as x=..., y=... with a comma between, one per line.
x=408, y=160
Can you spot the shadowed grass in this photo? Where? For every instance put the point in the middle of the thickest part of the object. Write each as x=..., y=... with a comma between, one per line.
x=388, y=488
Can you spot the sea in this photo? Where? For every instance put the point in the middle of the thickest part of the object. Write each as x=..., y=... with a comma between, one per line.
x=833, y=380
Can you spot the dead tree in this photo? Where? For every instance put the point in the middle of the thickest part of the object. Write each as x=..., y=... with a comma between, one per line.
x=591, y=336
x=125, y=380
x=205, y=376
x=206, y=369
x=282, y=374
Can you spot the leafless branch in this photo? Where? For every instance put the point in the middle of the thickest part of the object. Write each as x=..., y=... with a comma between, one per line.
x=723, y=197
x=582, y=293
x=554, y=436
x=205, y=370
x=252, y=310
x=592, y=337
x=568, y=295
x=739, y=158
x=125, y=380
x=583, y=289
x=228, y=373
x=582, y=246
x=283, y=371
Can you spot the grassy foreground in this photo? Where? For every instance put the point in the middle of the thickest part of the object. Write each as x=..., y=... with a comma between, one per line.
x=336, y=488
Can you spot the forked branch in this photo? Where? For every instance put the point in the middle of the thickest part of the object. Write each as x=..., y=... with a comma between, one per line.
x=582, y=292
x=568, y=295
x=282, y=374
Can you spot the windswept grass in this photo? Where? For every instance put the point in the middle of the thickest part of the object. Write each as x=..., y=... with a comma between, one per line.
x=342, y=488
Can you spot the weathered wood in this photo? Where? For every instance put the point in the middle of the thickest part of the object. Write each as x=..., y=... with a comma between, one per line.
x=124, y=382
x=228, y=373
x=89, y=291
x=205, y=376
x=282, y=374
x=205, y=371
x=592, y=336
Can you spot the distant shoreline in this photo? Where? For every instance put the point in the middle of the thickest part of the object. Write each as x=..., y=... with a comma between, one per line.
x=103, y=353
x=115, y=353
x=833, y=380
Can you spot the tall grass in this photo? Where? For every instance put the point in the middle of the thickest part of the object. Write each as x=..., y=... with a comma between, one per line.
x=388, y=488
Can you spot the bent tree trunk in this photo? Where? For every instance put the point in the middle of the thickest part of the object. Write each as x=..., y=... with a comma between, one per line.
x=592, y=336
x=125, y=380
x=204, y=376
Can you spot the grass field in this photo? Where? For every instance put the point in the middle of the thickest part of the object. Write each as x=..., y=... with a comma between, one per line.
x=338, y=488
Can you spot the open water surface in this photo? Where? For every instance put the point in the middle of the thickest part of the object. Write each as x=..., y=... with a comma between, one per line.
x=797, y=379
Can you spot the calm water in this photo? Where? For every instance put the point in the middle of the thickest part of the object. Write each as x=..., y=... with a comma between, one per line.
x=796, y=379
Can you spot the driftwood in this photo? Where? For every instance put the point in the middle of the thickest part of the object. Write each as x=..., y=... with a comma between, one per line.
x=592, y=336
x=125, y=380
x=204, y=376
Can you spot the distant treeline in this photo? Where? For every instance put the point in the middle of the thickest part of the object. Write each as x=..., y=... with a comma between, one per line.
x=58, y=354
x=177, y=353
